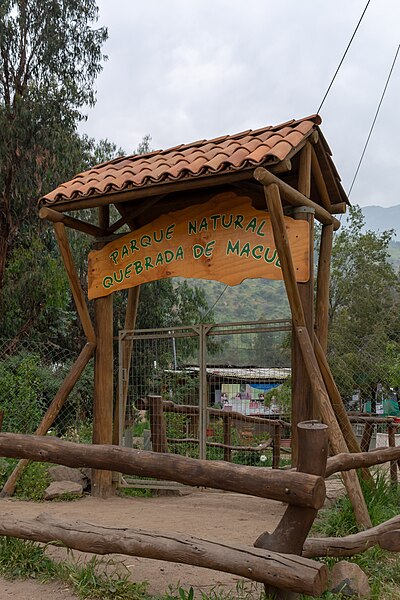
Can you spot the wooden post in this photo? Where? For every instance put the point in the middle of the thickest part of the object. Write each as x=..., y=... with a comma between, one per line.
x=76, y=289
x=227, y=437
x=302, y=399
x=323, y=283
x=276, y=446
x=103, y=389
x=157, y=424
x=292, y=530
x=391, y=428
x=366, y=437
x=130, y=323
x=336, y=438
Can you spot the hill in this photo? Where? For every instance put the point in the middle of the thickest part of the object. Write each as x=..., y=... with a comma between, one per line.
x=379, y=218
x=258, y=299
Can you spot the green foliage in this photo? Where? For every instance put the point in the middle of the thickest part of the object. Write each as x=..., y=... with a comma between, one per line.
x=382, y=568
x=33, y=482
x=50, y=55
x=94, y=579
x=281, y=396
x=22, y=560
x=28, y=384
x=21, y=393
x=364, y=310
x=382, y=501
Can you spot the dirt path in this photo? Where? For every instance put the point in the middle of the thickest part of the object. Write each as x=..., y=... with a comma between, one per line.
x=225, y=517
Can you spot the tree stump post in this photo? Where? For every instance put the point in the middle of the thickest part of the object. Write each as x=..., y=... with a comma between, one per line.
x=292, y=530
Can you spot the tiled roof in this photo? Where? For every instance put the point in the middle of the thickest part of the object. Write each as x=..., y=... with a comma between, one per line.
x=228, y=153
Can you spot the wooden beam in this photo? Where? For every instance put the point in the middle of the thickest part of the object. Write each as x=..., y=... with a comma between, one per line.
x=357, y=542
x=288, y=572
x=103, y=389
x=133, y=213
x=56, y=217
x=323, y=283
x=340, y=208
x=132, y=306
x=76, y=289
x=336, y=438
x=294, y=197
x=336, y=399
x=303, y=408
x=285, y=486
x=51, y=413
x=320, y=182
x=346, y=461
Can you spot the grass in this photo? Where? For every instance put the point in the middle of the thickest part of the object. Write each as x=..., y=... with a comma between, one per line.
x=94, y=579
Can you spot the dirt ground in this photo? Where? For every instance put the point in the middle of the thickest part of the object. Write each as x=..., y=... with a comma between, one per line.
x=220, y=516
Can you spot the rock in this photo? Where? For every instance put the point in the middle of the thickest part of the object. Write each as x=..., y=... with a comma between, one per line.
x=350, y=580
x=61, y=473
x=58, y=488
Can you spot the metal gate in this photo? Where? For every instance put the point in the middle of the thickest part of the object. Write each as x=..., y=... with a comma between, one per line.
x=196, y=372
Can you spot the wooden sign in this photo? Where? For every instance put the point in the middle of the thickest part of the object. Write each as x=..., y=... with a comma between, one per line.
x=226, y=240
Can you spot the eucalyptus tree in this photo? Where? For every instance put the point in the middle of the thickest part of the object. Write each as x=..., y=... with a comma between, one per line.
x=50, y=55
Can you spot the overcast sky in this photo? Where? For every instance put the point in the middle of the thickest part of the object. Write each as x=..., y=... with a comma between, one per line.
x=187, y=70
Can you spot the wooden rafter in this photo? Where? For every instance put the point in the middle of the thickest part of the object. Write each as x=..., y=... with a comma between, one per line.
x=56, y=217
x=295, y=197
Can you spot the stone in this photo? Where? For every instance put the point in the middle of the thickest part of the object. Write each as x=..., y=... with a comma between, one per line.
x=57, y=489
x=61, y=473
x=350, y=580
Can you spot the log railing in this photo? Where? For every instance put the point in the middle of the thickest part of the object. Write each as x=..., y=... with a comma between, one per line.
x=280, y=570
x=157, y=407
x=369, y=422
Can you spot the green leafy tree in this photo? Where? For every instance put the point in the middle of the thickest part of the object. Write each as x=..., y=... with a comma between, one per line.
x=364, y=309
x=50, y=54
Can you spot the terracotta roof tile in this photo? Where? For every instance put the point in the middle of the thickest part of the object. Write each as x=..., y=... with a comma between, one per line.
x=242, y=150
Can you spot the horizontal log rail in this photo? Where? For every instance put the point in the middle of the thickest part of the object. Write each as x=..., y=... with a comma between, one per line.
x=386, y=535
x=259, y=448
x=191, y=409
x=293, y=573
x=300, y=489
x=346, y=462
x=374, y=420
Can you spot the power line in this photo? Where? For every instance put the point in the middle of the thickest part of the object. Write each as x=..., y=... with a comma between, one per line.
x=215, y=303
x=343, y=57
x=375, y=118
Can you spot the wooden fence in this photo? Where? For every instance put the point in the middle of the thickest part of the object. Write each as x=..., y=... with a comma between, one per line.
x=281, y=559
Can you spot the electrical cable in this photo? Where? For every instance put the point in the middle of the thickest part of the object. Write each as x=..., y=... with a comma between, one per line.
x=343, y=57
x=374, y=120
x=320, y=106
x=215, y=303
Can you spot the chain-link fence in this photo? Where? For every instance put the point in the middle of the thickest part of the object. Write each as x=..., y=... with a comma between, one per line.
x=31, y=373
x=205, y=391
